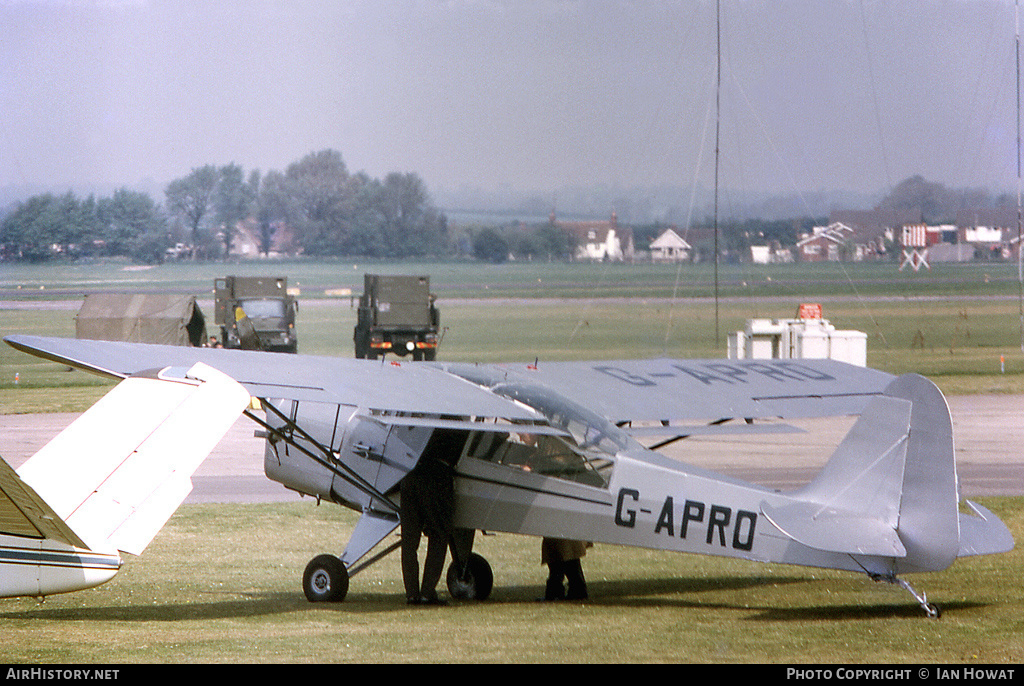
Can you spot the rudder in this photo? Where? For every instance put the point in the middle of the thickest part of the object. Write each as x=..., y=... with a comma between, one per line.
x=928, y=519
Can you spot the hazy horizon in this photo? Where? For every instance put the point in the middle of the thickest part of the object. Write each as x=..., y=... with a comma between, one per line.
x=490, y=96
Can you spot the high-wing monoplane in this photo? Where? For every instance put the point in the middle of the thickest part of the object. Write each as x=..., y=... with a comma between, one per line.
x=552, y=450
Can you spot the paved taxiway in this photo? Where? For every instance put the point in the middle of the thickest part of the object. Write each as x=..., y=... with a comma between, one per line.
x=988, y=430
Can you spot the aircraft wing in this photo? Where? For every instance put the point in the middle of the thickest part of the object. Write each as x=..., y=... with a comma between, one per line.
x=413, y=388
x=621, y=391
x=677, y=390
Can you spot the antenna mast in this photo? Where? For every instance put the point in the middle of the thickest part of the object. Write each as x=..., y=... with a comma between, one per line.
x=718, y=100
x=1020, y=243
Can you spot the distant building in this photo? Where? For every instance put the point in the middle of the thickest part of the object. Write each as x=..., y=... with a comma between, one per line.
x=824, y=243
x=983, y=234
x=670, y=247
x=770, y=254
x=600, y=241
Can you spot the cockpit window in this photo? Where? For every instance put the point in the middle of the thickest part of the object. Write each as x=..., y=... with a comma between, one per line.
x=590, y=431
x=585, y=453
x=542, y=454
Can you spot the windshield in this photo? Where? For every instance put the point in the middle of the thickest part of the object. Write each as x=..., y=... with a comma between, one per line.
x=590, y=431
x=585, y=455
x=541, y=454
x=262, y=309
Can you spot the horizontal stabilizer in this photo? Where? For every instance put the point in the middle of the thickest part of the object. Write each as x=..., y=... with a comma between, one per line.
x=982, y=533
x=118, y=473
x=852, y=505
x=890, y=489
x=835, y=530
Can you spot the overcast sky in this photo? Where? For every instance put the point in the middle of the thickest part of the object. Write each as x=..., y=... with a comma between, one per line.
x=850, y=94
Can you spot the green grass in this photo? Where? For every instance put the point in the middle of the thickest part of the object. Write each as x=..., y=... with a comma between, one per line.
x=529, y=279
x=198, y=595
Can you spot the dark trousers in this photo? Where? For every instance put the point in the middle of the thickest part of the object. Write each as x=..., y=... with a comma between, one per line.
x=433, y=564
x=426, y=508
x=560, y=571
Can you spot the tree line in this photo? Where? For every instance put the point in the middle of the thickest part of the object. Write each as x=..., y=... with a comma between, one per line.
x=327, y=210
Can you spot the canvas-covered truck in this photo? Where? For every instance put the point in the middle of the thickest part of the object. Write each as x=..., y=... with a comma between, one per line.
x=255, y=313
x=396, y=315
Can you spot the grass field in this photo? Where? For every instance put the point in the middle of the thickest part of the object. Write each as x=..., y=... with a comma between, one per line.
x=199, y=595
x=221, y=582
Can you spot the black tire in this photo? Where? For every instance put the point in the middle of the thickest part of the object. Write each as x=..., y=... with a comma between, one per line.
x=360, y=344
x=325, y=580
x=477, y=582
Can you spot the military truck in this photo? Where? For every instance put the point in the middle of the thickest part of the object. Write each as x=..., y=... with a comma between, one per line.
x=396, y=315
x=255, y=313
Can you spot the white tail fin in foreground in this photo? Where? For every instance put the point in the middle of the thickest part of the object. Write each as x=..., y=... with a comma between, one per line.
x=111, y=480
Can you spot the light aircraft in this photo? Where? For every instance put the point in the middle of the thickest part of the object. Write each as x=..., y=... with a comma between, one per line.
x=552, y=449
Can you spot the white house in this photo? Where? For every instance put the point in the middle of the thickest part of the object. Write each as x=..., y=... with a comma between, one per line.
x=600, y=240
x=670, y=247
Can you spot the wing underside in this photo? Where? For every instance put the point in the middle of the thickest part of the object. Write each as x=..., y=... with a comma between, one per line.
x=24, y=513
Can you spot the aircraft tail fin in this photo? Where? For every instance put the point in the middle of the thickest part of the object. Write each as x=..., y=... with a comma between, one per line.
x=890, y=489
x=113, y=478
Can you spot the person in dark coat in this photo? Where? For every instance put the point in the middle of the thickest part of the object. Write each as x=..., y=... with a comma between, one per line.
x=427, y=508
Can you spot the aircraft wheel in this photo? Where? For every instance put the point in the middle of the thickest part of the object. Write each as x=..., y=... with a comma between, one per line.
x=477, y=583
x=325, y=580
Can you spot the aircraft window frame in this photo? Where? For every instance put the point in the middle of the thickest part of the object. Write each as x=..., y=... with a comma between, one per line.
x=590, y=431
x=541, y=454
x=597, y=440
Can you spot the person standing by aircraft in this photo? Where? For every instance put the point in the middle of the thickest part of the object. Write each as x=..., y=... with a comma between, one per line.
x=563, y=558
x=428, y=507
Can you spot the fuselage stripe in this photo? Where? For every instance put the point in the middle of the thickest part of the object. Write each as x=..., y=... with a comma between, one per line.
x=49, y=558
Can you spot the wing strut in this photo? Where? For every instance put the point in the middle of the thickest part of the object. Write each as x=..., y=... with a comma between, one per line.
x=340, y=469
x=683, y=434
x=355, y=569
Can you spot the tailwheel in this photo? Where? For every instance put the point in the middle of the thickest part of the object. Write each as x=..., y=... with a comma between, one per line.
x=931, y=609
x=325, y=580
x=474, y=583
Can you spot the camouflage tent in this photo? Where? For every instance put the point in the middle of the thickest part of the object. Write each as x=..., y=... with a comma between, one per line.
x=141, y=318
